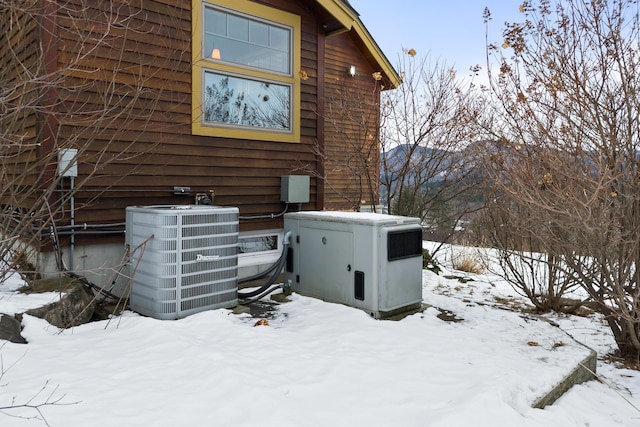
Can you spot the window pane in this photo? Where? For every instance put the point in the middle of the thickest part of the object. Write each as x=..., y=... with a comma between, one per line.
x=244, y=41
x=279, y=39
x=218, y=21
x=238, y=28
x=258, y=244
x=259, y=33
x=217, y=29
x=244, y=102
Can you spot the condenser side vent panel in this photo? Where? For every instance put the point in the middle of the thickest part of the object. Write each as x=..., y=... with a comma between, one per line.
x=186, y=261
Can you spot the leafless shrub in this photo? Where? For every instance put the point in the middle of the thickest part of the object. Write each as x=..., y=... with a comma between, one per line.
x=469, y=261
x=563, y=144
x=427, y=166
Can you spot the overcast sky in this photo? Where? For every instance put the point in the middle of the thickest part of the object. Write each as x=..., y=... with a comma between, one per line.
x=453, y=31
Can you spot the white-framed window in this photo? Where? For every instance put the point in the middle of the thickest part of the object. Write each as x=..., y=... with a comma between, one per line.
x=246, y=59
x=259, y=247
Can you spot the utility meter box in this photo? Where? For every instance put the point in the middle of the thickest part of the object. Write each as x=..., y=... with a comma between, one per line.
x=365, y=260
x=67, y=162
x=294, y=188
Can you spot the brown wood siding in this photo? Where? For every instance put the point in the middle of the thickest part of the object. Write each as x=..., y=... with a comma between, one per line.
x=142, y=77
x=124, y=100
x=351, y=150
x=20, y=57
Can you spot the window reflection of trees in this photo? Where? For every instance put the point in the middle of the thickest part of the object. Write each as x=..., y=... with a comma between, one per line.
x=261, y=104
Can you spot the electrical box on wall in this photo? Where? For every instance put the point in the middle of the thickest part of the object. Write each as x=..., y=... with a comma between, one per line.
x=294, y=188
x=67, y=163
x=365, y=260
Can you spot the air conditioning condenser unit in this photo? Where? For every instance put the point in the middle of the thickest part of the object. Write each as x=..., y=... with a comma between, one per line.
x=184, y=259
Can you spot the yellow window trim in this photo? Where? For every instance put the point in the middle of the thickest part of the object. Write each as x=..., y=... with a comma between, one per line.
x=200, y=65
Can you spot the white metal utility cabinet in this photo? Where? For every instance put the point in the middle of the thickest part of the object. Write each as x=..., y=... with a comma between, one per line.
x=365, y=260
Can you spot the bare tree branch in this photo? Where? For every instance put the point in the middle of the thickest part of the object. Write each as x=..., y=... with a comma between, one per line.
x=565, y=145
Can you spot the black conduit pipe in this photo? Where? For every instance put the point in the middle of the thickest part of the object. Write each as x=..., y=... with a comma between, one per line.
x=279, y=265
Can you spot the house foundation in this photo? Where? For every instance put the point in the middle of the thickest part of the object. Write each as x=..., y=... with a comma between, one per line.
x=105, y=265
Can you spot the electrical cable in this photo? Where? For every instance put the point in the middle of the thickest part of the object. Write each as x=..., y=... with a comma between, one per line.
x=65, y=271
x=85, y=226
x=264, y=294
x=91, y=232
x=86, y=282
x=263, y=273
x=279, y=265
x=270, y=282
x=269, y=216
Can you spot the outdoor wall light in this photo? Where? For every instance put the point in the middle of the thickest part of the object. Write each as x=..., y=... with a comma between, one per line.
x=352, y=71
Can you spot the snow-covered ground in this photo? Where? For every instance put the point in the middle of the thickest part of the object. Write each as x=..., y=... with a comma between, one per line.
x=315, y=364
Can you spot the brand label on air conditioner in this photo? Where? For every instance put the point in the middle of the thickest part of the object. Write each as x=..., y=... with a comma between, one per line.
x=204, y=258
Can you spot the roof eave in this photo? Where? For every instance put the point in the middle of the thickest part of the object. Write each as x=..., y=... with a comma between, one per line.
x=350, y=20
